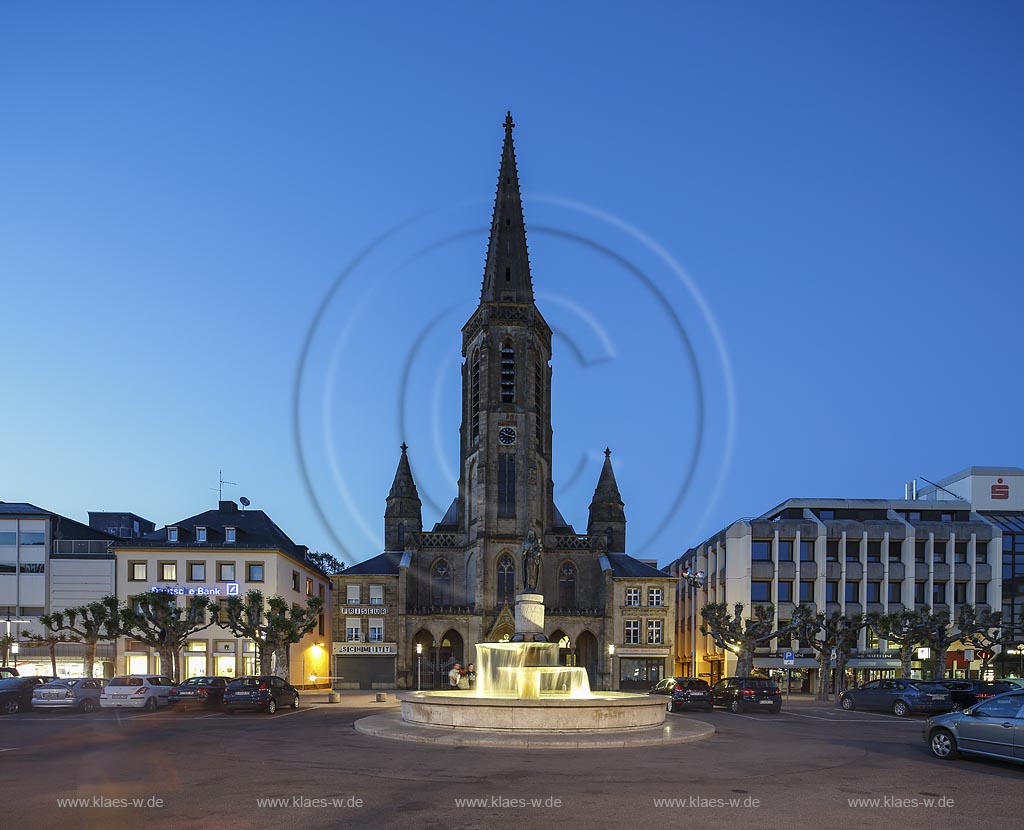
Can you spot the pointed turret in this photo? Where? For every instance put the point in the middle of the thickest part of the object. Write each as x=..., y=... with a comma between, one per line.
x=403, y=514
x=607, y=513
x=507, y=270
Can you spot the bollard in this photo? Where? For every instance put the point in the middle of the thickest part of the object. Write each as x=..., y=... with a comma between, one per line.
x=334, y=697
x=382, y=697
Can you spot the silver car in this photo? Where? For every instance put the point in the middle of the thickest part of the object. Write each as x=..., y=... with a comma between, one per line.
x=79, y=693
x=994, y=728
x=136, y=691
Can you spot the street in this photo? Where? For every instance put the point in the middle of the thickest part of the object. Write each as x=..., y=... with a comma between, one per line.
x=809, y=764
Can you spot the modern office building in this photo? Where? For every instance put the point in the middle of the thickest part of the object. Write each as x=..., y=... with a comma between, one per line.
x=853, y=556
x=121, y=525
x=406, y=615
x=49, y=562
x=221, y=553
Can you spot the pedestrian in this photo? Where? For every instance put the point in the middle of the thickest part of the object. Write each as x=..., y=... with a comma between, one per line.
x=464, y=680
x=471, y=675
x=454, y=675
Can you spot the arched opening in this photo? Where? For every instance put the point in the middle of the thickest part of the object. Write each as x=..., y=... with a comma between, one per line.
x=566, y=650
x=424, y=650
x=506, y=573
x=449, y=652
x=441, y=583
x=587, y=656
x=567, y=585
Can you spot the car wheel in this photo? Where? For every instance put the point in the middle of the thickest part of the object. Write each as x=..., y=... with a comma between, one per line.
x=848, y=704
x=734, y=707
x=88, y=705
x=670, y=706
x=150, y=705
x=9, y=707
x=295, y=703
x=271, y=706
x=900, y=709
x=943, y=745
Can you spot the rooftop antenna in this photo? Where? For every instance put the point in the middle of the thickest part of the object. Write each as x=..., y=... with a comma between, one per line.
x=245, y=503
x=220, y=485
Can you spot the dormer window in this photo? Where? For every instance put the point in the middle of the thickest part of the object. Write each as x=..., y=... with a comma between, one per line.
x=200, y=534
x=229, y=535
x=172, y=534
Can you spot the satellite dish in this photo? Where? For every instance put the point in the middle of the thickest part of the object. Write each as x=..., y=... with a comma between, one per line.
x=245, y=502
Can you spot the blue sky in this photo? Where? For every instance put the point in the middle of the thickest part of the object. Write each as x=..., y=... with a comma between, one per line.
x=181, y=185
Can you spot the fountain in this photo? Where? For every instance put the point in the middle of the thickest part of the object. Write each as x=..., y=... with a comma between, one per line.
x=523, y=697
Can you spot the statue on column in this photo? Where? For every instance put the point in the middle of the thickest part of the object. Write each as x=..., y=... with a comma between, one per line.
x=532, y=551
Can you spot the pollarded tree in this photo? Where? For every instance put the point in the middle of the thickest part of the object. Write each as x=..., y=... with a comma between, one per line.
x=987, y=632
x=90, y=624
x=272, y=625
x=904, y=629
x=822, y=634
x=160, y=622
x=741, y=636
x=51, y=640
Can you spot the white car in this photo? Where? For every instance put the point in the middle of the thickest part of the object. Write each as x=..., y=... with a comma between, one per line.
x=136, y=691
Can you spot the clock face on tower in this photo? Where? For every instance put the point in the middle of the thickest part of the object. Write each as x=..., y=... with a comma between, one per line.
x=507, y=436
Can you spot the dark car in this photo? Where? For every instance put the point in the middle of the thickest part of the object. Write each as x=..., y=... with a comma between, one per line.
x=199, y=691
x=266, y=692
x=994, y=728
x=689, y=691
x=966, y=693
x=16, y=694
x=740, y=694
x=664, y=686
x=900, y=695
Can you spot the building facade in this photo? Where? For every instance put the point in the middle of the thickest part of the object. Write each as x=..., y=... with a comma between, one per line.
x=48, y=563
x=221, y=553
x=434, y=594
x=853, y=556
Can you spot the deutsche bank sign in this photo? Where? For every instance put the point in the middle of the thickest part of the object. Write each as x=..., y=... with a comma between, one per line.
x=230, y=589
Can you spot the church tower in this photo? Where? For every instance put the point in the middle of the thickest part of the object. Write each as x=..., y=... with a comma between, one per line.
x=607, y=512
x=403, y=515
x=505, y=485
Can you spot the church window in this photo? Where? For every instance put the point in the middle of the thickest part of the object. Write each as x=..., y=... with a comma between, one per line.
x=508, y=373
x=506, y=580
x=401, y=533
x=567, y=585
x=538, y=403
x=506, y=485
x=608, y=537
x=441, y=583
x=475, y=394
x=508, y=275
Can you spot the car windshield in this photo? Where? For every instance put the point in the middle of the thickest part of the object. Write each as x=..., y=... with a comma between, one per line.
x=694, y=684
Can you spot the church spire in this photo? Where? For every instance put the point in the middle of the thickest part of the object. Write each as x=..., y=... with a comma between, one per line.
x=607, y=513
x=507, y=270
x=404, y=512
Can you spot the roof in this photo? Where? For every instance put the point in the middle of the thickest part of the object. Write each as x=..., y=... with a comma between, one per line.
x=383, y=564
x=253, y=529
x=1010, y=522
x=62, y=527
x=624, y=565
x=21, y=508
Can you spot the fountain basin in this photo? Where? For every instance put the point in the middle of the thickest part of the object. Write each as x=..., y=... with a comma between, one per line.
x=547, y=713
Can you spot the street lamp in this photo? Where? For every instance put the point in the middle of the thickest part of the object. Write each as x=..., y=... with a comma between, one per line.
x=419, y=666
x=694, y=581
x=1020, y=653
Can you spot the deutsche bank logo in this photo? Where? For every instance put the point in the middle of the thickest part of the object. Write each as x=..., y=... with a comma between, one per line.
x=232, y=589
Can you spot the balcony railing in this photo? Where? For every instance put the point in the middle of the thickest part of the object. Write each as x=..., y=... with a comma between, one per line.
x=80, y=546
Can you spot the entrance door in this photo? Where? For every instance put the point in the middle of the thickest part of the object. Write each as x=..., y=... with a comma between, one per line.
x=195, y=665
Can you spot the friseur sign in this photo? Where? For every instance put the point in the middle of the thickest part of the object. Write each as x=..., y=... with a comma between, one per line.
x=365, y=610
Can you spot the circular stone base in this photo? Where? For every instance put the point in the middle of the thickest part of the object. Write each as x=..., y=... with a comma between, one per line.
x=674, y=731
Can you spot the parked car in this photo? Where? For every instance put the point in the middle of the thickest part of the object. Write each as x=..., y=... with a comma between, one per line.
x=16, y=694
x=902, y=696
x=136, y=691
x=994, y=728
x=80, y=693
x=746, y=693
x=967, y=693
x=8, y=671
x=201, y=691
x=266, y=692
x=1016, y=682
x=689, y=691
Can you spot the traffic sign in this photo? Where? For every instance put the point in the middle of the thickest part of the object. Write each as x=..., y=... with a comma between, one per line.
x=787, y=658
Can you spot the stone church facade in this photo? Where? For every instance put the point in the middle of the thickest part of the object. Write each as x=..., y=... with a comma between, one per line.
x=405, y=616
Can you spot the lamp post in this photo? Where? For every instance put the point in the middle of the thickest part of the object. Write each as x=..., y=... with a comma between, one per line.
x=1020, y=653
x=611, y=666
x=694, y=581
x=419, y=667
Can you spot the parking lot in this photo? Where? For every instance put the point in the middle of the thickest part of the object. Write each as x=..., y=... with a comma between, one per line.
x=809, y=764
